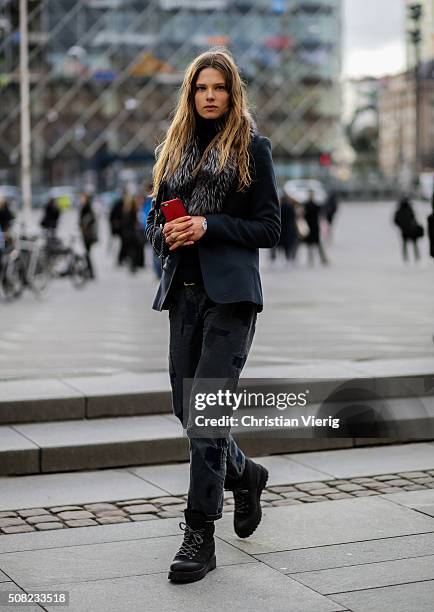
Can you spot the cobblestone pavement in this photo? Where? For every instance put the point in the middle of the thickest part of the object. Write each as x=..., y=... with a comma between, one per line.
x=144, y=509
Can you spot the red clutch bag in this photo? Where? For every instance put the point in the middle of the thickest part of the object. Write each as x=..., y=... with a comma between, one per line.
x=173, y=209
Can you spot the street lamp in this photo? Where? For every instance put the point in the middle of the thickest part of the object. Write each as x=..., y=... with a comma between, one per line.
x=416, y=11
x=26, y=180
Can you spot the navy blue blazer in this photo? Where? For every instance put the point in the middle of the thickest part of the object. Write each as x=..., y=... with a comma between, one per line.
x=229, y=249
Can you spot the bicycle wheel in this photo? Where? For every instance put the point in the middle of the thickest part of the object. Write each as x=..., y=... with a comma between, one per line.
x=11, y=282
x=38, y=282
x=79, y=271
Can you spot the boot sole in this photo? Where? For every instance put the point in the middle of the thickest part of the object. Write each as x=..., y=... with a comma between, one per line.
x=261, y=487
x=193, y=576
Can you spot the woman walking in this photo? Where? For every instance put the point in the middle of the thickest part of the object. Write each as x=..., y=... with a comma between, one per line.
x=215, y=161
x=312, y=213
x=89, y=229
x=132, y=247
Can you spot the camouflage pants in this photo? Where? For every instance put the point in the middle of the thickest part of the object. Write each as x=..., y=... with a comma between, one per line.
x=207, y=341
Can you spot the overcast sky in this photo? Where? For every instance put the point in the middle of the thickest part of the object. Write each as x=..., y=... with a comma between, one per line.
x=374, y=42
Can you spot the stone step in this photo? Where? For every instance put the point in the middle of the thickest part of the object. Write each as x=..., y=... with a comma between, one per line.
x=130, y=394
x=33, y=401
x=57, y=446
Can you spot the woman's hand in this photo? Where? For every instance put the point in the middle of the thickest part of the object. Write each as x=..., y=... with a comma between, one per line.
x=183, y=231
x=178, y=232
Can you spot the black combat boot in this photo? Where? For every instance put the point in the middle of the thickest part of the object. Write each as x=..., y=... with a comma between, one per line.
x=196, y=556
x=247, y=496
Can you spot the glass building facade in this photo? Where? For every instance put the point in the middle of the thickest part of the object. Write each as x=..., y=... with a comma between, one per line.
x=105, y=73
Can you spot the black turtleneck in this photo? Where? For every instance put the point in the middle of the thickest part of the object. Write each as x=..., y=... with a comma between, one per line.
x=206, y=129
x=188, y=270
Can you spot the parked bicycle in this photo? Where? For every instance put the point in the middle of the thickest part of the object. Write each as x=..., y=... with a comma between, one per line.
x=63, y=260
x=23, y=264
x=33, y=262
x=11, y=284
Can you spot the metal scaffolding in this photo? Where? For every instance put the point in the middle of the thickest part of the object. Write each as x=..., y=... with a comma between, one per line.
x=105, y=73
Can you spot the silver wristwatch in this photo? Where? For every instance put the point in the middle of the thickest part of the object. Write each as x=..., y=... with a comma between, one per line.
x=205, y=224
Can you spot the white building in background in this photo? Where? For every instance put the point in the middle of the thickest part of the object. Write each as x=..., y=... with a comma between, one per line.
x=397, y=123
x=397, y=106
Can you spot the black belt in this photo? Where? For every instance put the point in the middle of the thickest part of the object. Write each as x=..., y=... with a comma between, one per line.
x=181, y=284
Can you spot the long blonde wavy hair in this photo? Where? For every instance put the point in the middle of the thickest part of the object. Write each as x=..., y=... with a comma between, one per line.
x=234, y=139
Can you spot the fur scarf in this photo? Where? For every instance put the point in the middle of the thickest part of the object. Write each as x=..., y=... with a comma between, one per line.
x=206, y=192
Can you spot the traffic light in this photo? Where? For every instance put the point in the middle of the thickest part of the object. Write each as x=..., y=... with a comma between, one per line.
x=325, y=159
x=415, y=11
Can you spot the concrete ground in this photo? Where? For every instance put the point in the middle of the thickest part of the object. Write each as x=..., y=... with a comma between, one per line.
x=360, y=554
x=366, y=305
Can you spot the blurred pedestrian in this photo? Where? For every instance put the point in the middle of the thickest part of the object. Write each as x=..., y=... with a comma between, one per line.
x=132, y=233
x=116, y=216
x=312, y=213
x=115, y=219
x=50, y=218
x=122, y=210
x=89, y=228
x=6, y=220
x=330, y=210
x=431, y=228
x=405, y=219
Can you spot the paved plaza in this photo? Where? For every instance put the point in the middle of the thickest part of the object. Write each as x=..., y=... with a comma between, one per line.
x=367, y=549
x=350, y=528
x=366, y=305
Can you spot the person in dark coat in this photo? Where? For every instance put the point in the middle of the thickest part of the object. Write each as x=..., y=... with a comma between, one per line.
x=312, y=213
x=216, y=162
x=51, y=216
x=116, y=216
x=331, y=208
x=115, y=221
x=89, y=229
x=430, y=221
x=6, y=220
x=405, y=219
x=124, y=231
x=132, y=245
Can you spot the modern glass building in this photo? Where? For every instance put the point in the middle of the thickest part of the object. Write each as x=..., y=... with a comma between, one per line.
x=105, y=74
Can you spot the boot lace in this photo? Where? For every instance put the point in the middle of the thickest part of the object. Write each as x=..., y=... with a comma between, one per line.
x=242, y=501
x=193, y=538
